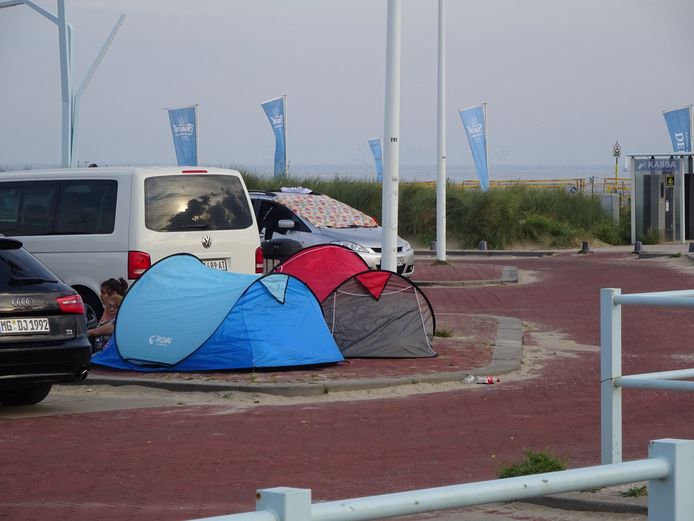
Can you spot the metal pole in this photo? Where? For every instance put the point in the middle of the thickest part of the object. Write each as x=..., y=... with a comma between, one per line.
x=441, y=138
x=88, y=77
x=486, y=142
x=682, y=202
x=286, y=156
x=671, y=499
x=610, y=369
x=632, y=172
x=66, y=86
x=391, y=146
x=197, y=135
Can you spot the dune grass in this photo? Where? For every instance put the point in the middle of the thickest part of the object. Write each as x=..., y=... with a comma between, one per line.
x=533, y=463
x=503, y=217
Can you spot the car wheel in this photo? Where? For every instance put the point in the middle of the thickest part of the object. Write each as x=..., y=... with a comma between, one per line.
x=25, y=395
x=93, y=308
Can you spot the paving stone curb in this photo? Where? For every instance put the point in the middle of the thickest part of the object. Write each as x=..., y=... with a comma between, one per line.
x=506, y=357
x=509, y=275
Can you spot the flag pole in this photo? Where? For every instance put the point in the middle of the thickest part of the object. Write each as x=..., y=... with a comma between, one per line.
x=391, y=145
x=286, y=156
x=441, y=139
x=486, y=141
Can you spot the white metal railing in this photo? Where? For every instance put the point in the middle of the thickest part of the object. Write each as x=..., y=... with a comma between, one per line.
x=669, y=470
x=611, y=378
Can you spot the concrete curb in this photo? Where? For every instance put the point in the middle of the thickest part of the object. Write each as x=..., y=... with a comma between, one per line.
x=578, y=501
x=506, y=357
x=509, y=275
x=488, y=253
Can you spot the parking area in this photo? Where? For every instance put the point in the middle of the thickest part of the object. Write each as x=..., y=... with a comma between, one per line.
x=170, y=456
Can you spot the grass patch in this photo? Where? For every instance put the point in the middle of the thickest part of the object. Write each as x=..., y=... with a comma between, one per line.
x=635, y=491
x=533, y=463
x=444, y=332
x=546, y=218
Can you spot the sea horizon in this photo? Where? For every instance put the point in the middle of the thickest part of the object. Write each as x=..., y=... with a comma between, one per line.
x=408, y=171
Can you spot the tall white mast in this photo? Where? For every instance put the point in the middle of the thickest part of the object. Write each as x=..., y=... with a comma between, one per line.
x=391, y=145
x=441, y=139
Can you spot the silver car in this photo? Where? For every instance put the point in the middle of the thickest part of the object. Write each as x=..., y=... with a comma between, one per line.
x=311, y=218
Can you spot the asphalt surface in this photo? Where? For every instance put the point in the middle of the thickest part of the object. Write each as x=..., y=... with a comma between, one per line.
x=398, y=425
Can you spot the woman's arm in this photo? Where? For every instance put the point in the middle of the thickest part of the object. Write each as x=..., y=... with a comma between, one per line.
x=102, y=330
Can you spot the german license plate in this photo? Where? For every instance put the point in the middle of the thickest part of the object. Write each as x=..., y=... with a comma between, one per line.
x=216, y=264
x=24, y=326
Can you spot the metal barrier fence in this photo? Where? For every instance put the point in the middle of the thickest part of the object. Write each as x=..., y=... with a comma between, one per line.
x=590, y=185
x=669, y=469
x=611, y=378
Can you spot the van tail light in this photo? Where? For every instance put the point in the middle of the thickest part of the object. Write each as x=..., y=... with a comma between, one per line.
x=138, y=263
x=258, y=260
x=193, y=171
x=71, y=304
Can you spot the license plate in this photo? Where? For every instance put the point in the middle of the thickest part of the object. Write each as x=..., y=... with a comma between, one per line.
x=216, y=264
x=23, y=326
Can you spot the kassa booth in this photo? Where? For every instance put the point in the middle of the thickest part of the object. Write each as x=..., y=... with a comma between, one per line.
x=662, y=197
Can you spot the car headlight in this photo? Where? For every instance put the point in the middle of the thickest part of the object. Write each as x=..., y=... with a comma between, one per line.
x=352, y=246
x=406, y=245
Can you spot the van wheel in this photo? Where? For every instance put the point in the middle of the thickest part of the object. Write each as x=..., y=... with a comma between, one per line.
x=93, y=308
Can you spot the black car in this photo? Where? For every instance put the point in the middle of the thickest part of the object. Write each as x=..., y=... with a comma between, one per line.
x=43, y=331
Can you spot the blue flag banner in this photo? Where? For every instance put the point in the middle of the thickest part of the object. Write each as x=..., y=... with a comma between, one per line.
x=274, y=110
x=679, y=125
x=377, y=151
x=473, y=121
x=184, y=129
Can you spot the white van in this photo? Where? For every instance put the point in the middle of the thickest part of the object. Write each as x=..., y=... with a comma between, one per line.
x=90, y=224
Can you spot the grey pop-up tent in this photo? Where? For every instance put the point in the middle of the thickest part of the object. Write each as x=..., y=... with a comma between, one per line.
x=380, y=314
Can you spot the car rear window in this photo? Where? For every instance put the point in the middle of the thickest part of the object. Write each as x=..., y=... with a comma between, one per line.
x=196, y=202
x=19, y=268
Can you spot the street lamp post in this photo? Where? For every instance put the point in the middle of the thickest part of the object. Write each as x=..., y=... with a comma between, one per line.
x=70, y=99
x=616, y=152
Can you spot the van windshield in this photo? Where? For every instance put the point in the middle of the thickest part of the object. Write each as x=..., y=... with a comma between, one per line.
x=196, y=202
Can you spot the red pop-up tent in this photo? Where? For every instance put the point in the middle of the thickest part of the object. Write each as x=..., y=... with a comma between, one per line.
x=323, y=267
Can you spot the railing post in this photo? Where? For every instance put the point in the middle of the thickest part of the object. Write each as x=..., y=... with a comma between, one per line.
x=610, y=368
x=671, y=498
x=285, y=503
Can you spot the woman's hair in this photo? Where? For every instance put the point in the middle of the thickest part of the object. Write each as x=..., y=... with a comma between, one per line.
x=118, y=286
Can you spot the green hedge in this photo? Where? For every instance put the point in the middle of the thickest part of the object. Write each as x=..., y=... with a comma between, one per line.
x=503, y=217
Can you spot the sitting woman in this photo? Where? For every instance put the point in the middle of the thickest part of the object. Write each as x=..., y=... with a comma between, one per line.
x=103, y=331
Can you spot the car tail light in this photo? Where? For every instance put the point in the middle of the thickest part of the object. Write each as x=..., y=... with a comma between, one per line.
x=258, y=260
x=138, y=262
x=71, y=304
x=193, y=171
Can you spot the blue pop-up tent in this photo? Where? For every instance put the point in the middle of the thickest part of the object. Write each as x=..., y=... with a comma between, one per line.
x=183, y=316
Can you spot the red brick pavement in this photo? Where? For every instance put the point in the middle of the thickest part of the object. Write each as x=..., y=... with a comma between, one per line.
x=186, y=462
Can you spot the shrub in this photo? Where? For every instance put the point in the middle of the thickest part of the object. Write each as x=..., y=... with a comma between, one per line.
x=501, y=216
x=533, y=463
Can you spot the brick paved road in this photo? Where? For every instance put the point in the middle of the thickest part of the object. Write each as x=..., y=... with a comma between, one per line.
x=184, y=462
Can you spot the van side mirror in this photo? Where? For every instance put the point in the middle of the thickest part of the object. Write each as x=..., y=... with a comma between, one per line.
x=285, y=224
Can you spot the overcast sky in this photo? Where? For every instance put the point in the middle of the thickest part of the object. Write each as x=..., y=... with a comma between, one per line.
x=563, y=79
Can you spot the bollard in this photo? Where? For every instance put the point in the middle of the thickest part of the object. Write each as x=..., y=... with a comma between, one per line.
x=483, y=246
x=432, y=246
x=691, y=247
x=584, y=247
x=638, y=247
